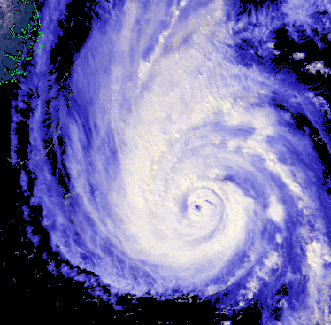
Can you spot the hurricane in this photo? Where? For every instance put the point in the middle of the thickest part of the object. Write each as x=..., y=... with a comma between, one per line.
x=178, y=156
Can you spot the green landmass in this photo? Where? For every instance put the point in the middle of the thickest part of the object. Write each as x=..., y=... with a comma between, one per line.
x=19, y=31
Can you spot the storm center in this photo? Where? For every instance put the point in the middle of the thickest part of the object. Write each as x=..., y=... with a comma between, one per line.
x=204, y=209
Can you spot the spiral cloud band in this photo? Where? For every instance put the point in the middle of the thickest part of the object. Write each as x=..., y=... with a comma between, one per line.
x=171, y=159
x=188, y=171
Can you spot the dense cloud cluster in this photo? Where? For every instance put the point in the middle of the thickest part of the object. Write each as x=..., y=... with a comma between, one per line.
x=184, y=159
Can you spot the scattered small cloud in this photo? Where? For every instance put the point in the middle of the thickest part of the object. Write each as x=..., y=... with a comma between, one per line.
x=317, y=66
x=298, y=56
